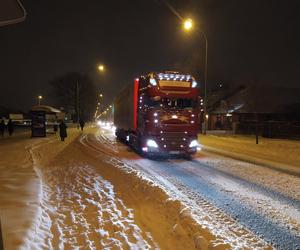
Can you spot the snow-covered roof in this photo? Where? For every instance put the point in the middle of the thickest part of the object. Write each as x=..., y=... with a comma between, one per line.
x=47, y=109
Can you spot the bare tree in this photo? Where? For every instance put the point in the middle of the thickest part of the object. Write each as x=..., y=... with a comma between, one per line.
x=76, y=93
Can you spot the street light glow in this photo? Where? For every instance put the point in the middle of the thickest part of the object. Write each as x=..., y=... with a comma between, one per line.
x=39, y=99
x=188, y=24
x=101, y=67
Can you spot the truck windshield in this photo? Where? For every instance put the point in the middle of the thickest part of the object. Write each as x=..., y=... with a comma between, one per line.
x=173, y=103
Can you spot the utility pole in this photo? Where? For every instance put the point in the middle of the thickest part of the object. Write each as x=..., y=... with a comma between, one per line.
x=77, y=99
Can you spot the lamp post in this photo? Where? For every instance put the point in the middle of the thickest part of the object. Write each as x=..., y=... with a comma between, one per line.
x=188, y=25
x=101, y=68
x=39, y=99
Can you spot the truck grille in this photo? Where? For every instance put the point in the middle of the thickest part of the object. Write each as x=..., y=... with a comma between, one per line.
x=173, y=141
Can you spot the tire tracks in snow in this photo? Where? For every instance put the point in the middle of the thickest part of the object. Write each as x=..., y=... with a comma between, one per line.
x=226, y=229
x=79, y=209
x=207, y=184
x=270, y=214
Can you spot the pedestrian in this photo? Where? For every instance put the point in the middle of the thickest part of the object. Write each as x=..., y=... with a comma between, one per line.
x=2, y=127
x=55, y=127
x=10, y=127
x=81, y=123
x=62, y=131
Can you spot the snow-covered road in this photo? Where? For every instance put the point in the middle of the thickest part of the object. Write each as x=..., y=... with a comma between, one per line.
x=94, y=192
x=244, y=205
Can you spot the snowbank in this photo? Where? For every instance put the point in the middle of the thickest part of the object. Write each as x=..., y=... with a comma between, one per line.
x=277, y=153
x=19, y=188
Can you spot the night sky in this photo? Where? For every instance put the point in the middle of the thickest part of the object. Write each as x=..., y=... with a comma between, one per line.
x=253, y=41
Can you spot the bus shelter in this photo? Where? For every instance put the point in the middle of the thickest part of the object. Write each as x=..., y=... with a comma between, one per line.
x=39, y=116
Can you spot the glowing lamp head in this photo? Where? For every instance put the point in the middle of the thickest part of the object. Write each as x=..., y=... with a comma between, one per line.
x=101, y=67
x=188, y=24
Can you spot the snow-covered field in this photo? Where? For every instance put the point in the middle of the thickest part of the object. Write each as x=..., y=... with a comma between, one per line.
x=93, y=192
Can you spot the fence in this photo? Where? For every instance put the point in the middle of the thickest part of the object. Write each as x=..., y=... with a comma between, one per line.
x=271, y=129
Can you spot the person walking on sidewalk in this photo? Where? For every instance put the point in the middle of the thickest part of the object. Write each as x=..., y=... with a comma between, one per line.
x=10, y=127
x=62, y=131
x=55, y=127
x=2, y=127
x=81, y=123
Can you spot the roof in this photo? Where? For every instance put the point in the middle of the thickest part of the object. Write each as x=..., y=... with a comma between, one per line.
x=259, y=99
x=47, y=109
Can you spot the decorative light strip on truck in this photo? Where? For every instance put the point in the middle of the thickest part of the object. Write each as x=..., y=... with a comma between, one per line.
x=174, y=78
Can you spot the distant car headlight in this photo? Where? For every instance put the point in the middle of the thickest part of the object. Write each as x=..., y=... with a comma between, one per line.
x=194, y=143
x=152, y=143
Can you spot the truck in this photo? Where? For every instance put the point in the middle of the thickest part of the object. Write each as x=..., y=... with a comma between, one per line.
x=159, y=114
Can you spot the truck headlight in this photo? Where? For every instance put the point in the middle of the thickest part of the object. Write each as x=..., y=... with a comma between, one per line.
x=153, y=82
x=194, y=143
x=152, y=143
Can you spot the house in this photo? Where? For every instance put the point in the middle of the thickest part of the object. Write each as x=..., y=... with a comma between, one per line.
x=244, y=109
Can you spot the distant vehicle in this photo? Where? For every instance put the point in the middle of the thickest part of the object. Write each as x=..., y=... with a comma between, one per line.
x=159, y=114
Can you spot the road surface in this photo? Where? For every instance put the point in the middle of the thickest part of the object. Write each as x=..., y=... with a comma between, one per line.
x=245, y=204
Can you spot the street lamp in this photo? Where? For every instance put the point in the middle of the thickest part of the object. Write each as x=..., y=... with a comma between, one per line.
x=101, y=67
x=39, y=99
x=188, y=25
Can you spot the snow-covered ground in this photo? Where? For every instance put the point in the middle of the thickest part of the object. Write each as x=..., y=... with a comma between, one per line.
x=19, y=188
x=218, y=189
x=92, y=191
x=281, y=154
x=82, y=199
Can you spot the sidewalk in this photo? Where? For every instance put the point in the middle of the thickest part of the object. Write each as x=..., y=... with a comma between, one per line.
x=280, y=154
x=20, y=187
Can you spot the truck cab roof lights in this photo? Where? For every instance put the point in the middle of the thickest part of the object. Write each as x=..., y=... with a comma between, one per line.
x=151, y=143
x=153, y=82
x=194, y=84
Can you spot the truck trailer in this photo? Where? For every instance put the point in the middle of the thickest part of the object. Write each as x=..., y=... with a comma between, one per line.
x=159, y=113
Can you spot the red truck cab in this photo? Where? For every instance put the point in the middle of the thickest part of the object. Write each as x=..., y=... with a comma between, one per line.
x=165, y=114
